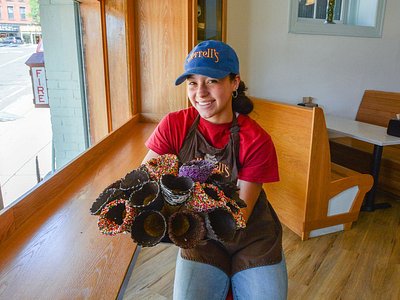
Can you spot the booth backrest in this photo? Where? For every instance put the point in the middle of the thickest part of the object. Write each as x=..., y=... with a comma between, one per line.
x=378, y=107
x=314, y=196
x=300, y=138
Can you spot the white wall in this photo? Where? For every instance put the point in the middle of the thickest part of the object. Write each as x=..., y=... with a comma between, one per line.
x=63, y=79
x=335, y=70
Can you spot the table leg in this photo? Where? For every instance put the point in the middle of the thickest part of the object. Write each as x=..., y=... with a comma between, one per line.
x=369, y=203
x=128, y=274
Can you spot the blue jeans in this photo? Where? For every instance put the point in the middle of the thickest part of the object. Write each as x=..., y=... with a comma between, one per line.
x=194, y=280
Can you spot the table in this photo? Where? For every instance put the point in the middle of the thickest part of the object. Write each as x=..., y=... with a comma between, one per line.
x=51, y=247
x=369, y=133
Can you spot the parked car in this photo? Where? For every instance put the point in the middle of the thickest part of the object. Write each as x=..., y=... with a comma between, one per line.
x=13, y=40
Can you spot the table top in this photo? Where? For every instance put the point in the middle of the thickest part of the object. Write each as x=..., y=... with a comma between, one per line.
x=54, y=250
x=361, y=131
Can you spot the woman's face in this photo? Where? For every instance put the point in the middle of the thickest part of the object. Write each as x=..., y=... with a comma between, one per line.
x=212, y=97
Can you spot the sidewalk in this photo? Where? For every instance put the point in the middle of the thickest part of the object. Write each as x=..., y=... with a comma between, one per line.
x=25, y=132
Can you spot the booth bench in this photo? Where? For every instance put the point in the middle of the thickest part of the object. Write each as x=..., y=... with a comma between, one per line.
x=314, y=196
x=377, y=108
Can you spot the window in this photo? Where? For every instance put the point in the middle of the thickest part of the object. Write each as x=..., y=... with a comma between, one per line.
x=38, y=139
x=10, y=10
x=209, y=16
x=350, y=17
x=317, y=10
x=22, y=13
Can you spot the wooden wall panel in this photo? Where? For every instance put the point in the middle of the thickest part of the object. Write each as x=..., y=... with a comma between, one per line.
x=132, y=55
x=94, y=69
x=118, y=63
x=164, y=40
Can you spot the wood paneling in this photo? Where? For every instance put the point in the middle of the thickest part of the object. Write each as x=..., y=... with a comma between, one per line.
x=118, y=63
x=109, y=42
x=144, y=47
x=164, y=39
x=132, y=60
x=94, y=69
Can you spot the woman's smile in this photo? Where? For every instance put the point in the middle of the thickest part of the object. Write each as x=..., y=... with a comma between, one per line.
x=205, y=104
x=212, y=97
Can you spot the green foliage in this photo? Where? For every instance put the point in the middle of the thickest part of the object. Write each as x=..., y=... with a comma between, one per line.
x=35, y=11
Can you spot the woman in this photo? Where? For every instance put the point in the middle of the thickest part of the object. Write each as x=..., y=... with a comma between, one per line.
x=217, y=128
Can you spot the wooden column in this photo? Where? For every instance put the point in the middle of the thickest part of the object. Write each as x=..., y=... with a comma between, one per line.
x=164, y=38
x=95, y=74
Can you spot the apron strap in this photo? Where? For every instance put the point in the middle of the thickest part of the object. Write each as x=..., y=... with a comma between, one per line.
x=235, y=140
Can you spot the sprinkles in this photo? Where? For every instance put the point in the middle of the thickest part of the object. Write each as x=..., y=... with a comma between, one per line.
x=194, y=188
x=116, y=217
x=207, y=197
x=164, y=164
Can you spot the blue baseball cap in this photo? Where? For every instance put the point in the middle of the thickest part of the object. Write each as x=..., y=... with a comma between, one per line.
x=212, y=59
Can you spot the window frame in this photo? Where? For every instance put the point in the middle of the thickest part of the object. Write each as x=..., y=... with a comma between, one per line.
x=313, y=26
x=22, y=13
x=10, y=13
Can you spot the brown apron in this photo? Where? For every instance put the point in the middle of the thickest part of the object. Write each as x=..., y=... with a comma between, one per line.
x=260, y=243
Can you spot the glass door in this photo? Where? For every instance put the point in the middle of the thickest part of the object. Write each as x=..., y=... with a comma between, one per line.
x=210, y=20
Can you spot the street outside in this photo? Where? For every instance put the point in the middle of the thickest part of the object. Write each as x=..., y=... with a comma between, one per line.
x=25, y=131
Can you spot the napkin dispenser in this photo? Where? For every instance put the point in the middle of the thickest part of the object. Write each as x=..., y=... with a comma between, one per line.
x=308, y=102
x=394, y=126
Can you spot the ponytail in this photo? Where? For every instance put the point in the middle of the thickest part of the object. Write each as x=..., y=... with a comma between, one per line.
x=241, y=104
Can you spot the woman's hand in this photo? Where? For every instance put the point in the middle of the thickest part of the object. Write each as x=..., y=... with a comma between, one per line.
x=151, y=154
x=249, y=192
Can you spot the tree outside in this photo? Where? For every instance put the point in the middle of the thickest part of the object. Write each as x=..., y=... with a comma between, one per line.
x=35, y=11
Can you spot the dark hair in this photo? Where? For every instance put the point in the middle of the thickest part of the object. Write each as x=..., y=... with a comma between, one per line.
x=241, y=104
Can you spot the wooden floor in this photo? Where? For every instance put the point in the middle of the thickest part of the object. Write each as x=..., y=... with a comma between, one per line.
x=362, y=263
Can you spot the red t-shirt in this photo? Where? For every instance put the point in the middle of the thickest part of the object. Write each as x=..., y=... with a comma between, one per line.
x=257, y=156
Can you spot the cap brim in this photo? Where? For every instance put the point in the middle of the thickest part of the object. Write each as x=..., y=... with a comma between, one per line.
x=213, y=73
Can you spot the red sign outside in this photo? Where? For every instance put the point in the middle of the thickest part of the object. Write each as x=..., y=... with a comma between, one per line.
x=39, y=86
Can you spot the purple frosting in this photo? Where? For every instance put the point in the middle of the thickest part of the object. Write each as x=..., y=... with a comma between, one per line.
x=198, y=170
